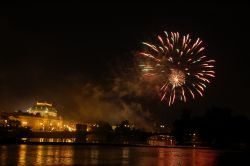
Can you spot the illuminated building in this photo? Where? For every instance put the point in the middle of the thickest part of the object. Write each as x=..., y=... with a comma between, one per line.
x=38, y=123
x=44, y=109
x=40, y=117
x=161, y=140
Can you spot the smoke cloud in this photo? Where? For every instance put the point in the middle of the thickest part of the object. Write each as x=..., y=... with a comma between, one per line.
x=94, y=103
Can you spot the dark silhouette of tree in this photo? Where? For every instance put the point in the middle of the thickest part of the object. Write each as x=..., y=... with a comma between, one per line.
x=123, y=128
x=102, y=132
x=218, y=127
x=183, y=126
x=14, y=123
x=102, y=127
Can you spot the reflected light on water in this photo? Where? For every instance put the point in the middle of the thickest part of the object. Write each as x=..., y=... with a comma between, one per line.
x=125, y=156
x=4, y=154
x=111, y=155
x=94, y=155
x=178, y=156
x=43, y=155
x=22, y=154
x=39, y=154
x=170, y=157
x=205, y=157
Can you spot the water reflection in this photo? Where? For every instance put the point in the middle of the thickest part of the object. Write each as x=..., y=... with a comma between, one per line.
x=125, y=156
x=108, y=155
x=94, y=155
x=39, y=154
x=194, y=157
x=22, y=154
x=4, y=155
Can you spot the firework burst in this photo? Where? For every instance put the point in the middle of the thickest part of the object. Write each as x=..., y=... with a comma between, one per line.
x=176, y=64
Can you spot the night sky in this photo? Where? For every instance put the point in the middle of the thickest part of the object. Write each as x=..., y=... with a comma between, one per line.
x=55, y=52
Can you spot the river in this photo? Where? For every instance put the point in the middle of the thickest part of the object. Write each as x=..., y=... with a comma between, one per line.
x=114, y=155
